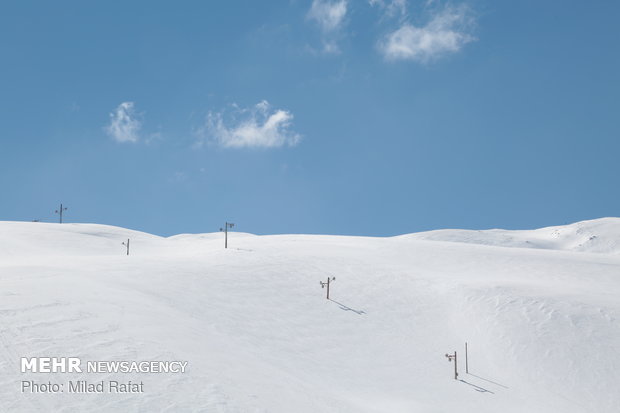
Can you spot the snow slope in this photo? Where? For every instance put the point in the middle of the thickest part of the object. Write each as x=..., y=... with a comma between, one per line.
x=259, y=336
x=599, y=235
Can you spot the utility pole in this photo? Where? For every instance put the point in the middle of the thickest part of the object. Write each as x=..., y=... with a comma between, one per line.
x=59, y=212
x=126, y=245
x=450, y=358
x=329, y=281
x=225, y=229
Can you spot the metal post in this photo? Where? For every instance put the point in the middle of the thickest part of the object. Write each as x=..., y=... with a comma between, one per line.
x=451, y=357
x=326, y=284
x=59, y=212
x=225, y=229
x=328, y=288
x=127, y=245
x=456, y=374
x=466, y=360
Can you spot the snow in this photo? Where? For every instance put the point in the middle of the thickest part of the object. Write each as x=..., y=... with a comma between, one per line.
x=600, y=236
x=540, y=310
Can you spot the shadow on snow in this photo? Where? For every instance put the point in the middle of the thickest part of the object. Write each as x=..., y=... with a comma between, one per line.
x=347, y=308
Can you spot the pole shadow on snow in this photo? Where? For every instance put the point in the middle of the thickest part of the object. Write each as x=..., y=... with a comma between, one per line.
x=477, y=388
x=347, y=308
x=490, y=381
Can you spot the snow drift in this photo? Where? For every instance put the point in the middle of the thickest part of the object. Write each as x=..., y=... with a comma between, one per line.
x=598, y=236
x=541, y=319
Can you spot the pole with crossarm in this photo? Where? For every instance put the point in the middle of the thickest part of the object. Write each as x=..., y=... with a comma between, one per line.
x=324, y=284
x=127, y=245
x=451, y=357
x=59, y=212
x=225, y=229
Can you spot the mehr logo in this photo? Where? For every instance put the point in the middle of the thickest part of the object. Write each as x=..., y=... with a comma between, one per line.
x=74, y=365
x=51, y=365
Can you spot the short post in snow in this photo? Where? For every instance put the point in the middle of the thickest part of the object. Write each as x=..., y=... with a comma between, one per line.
x=466, y=361
x=450, y=358
x=59, y=212
x=225, y=229
x=329, y=281
x=126, y=244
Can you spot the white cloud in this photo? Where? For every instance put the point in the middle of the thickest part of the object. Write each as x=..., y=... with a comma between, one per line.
x=329, y=15
x=258, y=126
x=445, y=33
x=124, y=125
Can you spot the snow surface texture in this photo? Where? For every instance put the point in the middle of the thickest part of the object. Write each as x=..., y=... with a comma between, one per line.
x=600, y=235
x=542, y=322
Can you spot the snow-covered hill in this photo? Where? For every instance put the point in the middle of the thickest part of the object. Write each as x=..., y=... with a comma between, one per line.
x=542, y=322
x=599, y=235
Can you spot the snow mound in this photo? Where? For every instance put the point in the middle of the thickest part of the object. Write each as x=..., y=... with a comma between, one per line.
x=38, y=238
x=69, y=239
x=595, y=236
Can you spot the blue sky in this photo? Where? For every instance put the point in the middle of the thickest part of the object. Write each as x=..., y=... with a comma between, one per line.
x=340, y=117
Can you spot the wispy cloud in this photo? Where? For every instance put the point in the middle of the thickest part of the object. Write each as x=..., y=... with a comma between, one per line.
x=124, y=123
x=329, y=15
x=446, y=32
x=391, y=8
x=255, y=127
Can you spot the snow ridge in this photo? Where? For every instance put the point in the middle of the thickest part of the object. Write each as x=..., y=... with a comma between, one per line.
x=595, y=236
